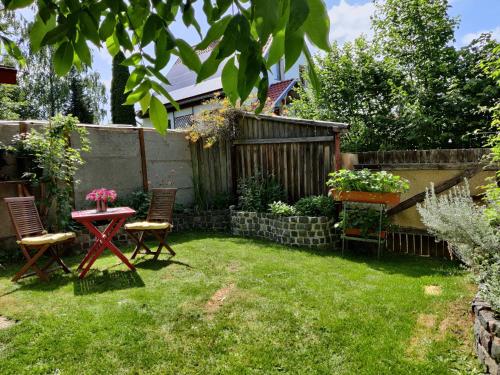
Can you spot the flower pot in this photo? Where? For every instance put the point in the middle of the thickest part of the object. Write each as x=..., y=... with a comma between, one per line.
x=101, y=206
x=366, y=197
x=356, y=232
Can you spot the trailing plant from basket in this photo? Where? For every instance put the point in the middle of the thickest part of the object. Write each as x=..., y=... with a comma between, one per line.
x=219, y=121
x=473, y=237
x=367, y=220
x=282, y=209
x=59, y=161
x=255, y=193
x=367, y=181
x=316, y=205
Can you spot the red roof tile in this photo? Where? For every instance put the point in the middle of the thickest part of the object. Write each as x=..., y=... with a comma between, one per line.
x=276, y=90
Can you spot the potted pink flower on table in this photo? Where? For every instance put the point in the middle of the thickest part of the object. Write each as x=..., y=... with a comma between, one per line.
x=101, y=196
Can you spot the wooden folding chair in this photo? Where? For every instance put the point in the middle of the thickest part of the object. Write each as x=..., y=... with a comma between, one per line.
x=158, y=223
x=31, y=237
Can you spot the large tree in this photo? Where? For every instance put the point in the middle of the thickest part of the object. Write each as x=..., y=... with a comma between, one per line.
x=131, y=26
x=120, y=113
x=78, y=105
x=408, y=88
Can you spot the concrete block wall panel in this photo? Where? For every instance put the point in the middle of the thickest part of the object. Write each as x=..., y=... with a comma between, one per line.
x=169, y=163
x=114, y=163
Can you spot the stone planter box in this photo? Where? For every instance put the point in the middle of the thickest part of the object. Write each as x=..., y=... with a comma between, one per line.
x=487, y=335
x=304, y=231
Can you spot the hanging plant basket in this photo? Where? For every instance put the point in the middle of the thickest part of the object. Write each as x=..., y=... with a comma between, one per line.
x=366, y=197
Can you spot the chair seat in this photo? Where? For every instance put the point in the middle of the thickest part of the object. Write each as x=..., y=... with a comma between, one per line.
x=45, y=239
x=147, y=225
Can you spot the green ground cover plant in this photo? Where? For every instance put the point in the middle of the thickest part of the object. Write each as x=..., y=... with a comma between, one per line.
x=366, y=180
x=229, y=305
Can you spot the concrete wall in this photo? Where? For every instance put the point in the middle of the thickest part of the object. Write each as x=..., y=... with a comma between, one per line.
x=114, y=162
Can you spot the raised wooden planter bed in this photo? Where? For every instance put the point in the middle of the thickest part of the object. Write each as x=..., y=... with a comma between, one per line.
x=366, y=197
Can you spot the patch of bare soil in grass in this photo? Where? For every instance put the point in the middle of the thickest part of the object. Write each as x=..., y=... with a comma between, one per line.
x=430, y=329
x=433, y=290
x=217, y=300
x=6, y=323
x=233, y=267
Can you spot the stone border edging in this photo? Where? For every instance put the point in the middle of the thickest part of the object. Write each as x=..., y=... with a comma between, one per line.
x=486, y=335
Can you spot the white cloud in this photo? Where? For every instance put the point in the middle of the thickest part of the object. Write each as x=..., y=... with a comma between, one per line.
x=467, y=38
x=350, y=21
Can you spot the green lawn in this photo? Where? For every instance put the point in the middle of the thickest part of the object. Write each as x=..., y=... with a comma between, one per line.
x=228, y=305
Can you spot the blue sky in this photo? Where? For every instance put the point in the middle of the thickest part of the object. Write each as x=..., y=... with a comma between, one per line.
x=350, y=18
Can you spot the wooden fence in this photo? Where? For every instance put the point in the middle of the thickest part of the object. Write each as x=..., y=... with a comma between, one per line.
x=298, y=153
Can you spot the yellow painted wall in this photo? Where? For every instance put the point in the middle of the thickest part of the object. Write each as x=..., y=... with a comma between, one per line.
x=421, y=179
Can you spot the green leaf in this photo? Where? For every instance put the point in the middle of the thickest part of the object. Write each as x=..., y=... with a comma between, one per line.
x=158, y=75
x=236, y=37
x=113, y=45
x=294, y=44
x=123, y=37
x=188, y=17
x=135, y=78
x=16, y=4
x=313, y=76
x=82, y=50
x=299, y=11
x=38, y=31
x=138, y=93
x=277, y=49
x=56, y=34
x=214, y=33
x=63, y=58
x=188, y=56
x=144, y=102
x=158, y=115
x=132, y=60
x=317, y=25
x=230, y=80
x=209, y=66
x=153, y=23
x=262, y=90
x=13, y=50
x=89, y=27
x=266, y=17
x=107, y=26
x=162, y=91
x=162, y=52
x=248, y=72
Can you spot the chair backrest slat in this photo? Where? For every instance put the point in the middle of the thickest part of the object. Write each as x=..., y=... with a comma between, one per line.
x=162, y=205
x=24, y=216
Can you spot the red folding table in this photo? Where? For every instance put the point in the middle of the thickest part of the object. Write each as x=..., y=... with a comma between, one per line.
x=103, y=240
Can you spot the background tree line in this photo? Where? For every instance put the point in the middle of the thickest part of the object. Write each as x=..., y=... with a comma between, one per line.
x=409, y=87
x=41, y=93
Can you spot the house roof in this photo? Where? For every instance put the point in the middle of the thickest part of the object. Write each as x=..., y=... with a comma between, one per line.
x=183, y=80
x=279, y=90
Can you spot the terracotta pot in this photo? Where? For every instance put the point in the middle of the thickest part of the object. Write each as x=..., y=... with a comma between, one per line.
x=357, y=233
x=101, y=206
x=366, y=197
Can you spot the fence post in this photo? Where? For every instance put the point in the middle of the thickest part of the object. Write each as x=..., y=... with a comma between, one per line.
x=144, y=166
x=338, y=155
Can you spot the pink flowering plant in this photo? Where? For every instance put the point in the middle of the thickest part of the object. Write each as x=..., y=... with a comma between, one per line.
x=101, y=195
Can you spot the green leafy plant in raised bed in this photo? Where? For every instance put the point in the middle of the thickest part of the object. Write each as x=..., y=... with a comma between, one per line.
x=368, y=181
x=255, y=193
x=282, y=209
x=365, y=219
x=316, y=205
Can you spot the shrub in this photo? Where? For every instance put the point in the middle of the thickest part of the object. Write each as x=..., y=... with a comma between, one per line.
x=282, y=209
x=455, y=218
x=255, y=193
x=138, y=200
x=366, y=180
x=365, y=219
x=319, y=205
